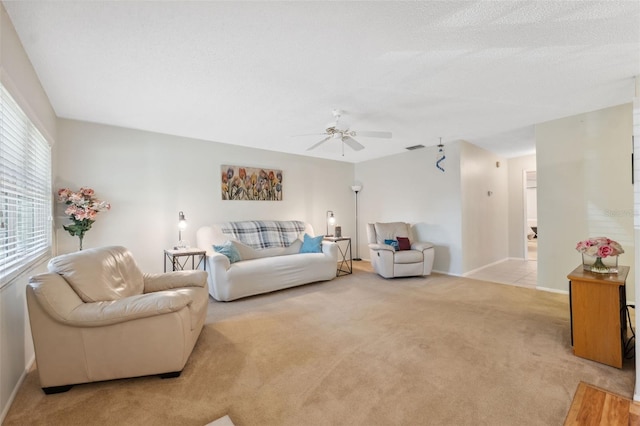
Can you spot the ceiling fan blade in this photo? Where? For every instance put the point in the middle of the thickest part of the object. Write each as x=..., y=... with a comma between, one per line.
x=371, y=134
x=318, y=144
x=310, y=134
x=354, y=144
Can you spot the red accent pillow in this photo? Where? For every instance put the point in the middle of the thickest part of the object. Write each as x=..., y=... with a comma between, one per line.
x=404, y=243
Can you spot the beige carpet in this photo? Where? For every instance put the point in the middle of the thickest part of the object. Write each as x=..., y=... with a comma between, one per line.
x=358, y=350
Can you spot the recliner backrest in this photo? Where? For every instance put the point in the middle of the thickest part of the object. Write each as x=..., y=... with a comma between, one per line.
x=100, y=274
x=390, y=231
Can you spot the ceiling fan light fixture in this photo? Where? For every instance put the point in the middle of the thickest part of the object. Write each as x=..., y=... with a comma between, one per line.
x=340, y=130
x=331, y=126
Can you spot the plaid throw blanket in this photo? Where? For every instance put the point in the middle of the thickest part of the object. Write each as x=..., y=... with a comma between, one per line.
x=261, y=234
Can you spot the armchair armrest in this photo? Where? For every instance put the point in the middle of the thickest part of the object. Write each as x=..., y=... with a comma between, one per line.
x=174, y=279
x=61, y=303
x=98, y=314
x=381, y=247
x=421, y=246
x=54, y=295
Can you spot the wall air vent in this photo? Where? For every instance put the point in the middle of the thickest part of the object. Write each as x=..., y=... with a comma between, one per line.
x=411, y=148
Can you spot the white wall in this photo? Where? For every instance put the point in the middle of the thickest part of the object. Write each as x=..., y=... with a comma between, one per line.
x=19, y=77
x=16, y=348
x=451, y=209
x=516, y=168
x=484, y=207
x=584, y=190
x=532, y=203
x=408, y=187
x=148, y=178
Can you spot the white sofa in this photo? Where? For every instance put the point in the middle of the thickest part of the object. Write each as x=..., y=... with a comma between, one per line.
x=270, y=258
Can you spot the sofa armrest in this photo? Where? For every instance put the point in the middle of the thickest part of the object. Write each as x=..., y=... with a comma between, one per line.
x=219, y=260
x=174, y=279
x=421, y=246
x=330, y=248
x=386, y=247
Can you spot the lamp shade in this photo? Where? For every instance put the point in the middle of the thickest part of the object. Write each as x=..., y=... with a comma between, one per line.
x=182, y=225
x=356, y=188
x=182, y=222
x=332, y=219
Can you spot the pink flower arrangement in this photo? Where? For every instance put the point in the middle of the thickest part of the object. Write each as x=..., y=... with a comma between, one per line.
x=599, y=247
x=82, y=209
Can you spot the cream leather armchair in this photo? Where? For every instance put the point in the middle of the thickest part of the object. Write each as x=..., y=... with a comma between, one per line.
x=95, y=316
x=388, y=262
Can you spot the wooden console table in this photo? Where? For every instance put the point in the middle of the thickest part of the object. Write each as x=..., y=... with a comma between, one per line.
x=598, y=321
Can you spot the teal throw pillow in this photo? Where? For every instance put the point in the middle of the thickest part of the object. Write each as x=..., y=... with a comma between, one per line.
x=229, y=250
x=392, y=243
x=311, y=244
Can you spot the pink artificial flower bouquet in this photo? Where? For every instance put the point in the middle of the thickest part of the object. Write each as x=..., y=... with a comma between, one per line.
x=599, y=247
x=82, y=209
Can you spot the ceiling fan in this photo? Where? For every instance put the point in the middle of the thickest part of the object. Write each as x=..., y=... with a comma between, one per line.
x=340, y=130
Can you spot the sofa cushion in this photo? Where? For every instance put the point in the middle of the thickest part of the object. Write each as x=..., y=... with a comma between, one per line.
x=244, y=250
x=229, y=250
x=248, y=253
x=311, y=244
x=390, y=231
x=404, y=243
x=408, y=256
x=99, y=275
x=274, y=273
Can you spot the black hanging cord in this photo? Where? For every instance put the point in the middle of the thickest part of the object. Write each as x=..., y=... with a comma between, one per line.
x=630, y=346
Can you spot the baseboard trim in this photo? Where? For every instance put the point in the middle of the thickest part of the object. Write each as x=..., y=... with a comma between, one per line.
x=466, y=274
x=553, y=290
x=5, y=409
x=446, y=273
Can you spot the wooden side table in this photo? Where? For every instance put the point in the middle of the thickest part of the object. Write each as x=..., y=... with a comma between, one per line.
x=345, y=265
x=598, y=322
x=177, y=264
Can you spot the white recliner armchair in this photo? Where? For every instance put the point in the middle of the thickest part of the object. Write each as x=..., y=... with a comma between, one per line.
x=95, y=316
x=390, y=258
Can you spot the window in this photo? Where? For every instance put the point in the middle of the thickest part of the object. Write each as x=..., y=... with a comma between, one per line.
x=25, y=191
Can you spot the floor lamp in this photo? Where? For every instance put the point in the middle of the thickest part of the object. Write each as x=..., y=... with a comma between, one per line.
x=356, y=189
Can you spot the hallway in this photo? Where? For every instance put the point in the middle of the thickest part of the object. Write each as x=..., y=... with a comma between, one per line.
x=522, y=273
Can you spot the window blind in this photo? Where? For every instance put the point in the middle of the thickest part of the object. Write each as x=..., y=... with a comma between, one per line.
x=25, y=190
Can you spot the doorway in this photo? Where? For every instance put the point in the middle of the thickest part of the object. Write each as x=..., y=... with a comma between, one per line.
x=530, y=197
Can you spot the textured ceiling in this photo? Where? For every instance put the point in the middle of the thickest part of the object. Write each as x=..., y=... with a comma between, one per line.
x=256, y=73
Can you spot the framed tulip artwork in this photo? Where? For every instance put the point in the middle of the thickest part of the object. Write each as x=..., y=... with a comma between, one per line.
x=250, y=183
